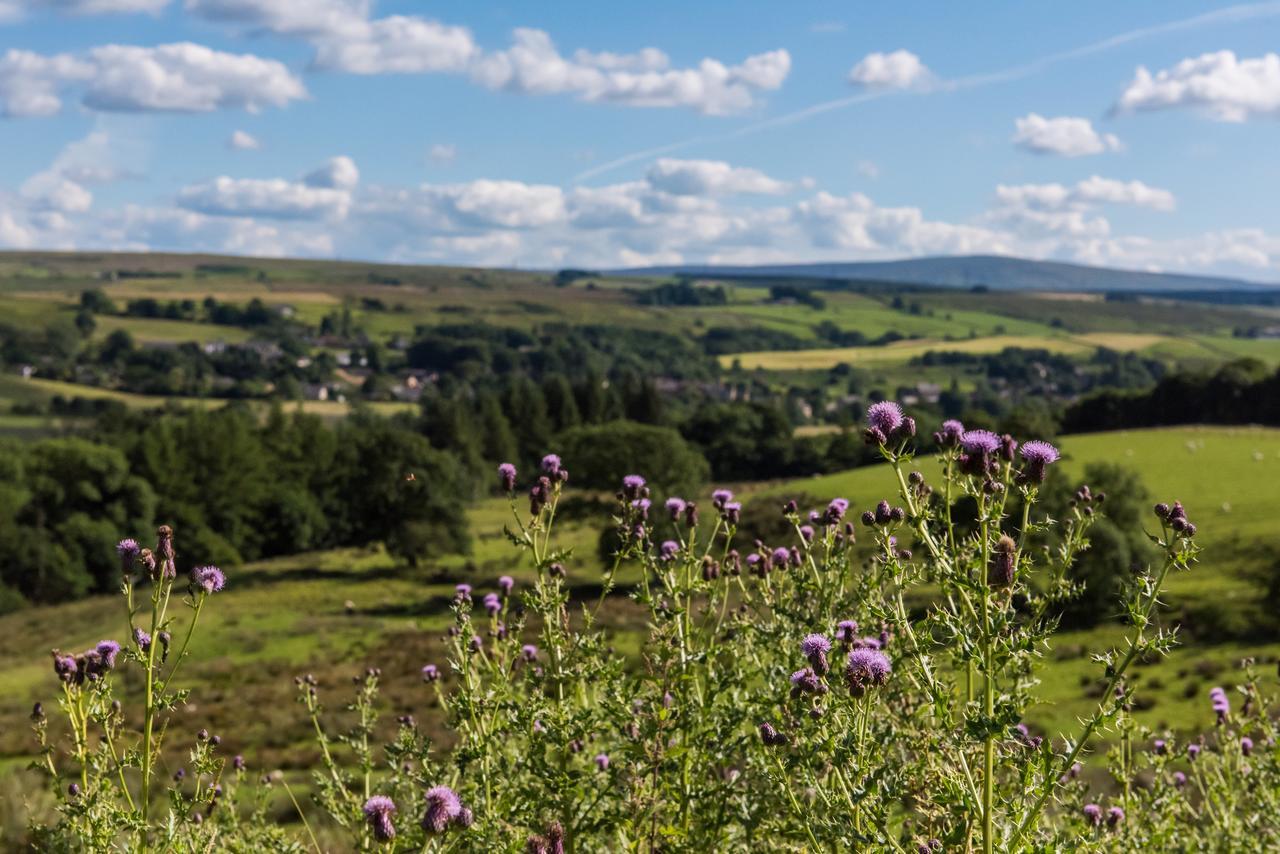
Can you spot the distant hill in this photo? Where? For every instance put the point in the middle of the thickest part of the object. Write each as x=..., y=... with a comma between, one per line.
x=964, y=271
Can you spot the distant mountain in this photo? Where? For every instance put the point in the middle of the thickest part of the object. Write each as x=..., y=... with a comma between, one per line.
x=965, y=271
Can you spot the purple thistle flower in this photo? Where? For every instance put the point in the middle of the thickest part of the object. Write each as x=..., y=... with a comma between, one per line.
x=378, y=811
x=676, y=506
x=979, y=442
x=529, y=652
x=128, y=550
x=781, y=557
x=1093, y=814
x=66, y=668
x=835, y=511
x=476, y=643
x=142, y=639
x=1193, y=750
x=1246, y=745
x=1160, y=747
x=642, y=505
x=1115, y=816
x=430, y=673
x=507, y=477
x=443, y=807
x=237, y=762
x=805, y=681
x=462, y=592
x=602, y=761
x=465, y=818
x=949, y=435
x=107, y=651
x=885, y=416
x=506, y=584
x=551, y=464
x=1038, y=456
x=668, y=550
x=492, y=604
x=633, y=486
x=1179, y=779
x=806, y=533
x=866, y=668
x=720, y=498
x=732, y=512
x=1220, y=704
x=208, y=578
x=846, y=630
x=815, y=648
x=771, y=736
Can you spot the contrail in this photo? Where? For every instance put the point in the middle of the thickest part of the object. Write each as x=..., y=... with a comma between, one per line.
x=1231, y=14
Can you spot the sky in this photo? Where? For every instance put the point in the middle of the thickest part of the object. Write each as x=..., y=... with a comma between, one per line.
x=1139, y=135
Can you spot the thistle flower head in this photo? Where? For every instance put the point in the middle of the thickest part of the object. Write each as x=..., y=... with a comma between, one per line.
x=781, y=557
x=633, y=486
x=1179, y=779
x=208, y=578
x=529, y=652
x=506, y=584
x=443, y=806
x=462, y=592
x=815, y=643
x=1246, y=745
x=979, y=442
x=128, y=550
x=142, y=639
x=675, y=507
x=551, y=464
x=846, y=630
x=885, y=416
x=107, y=651
x=492, y=603
x=866, y=668
x=1093, y=814
x=1038, y=456
x=806, y=533
x=720, y=498
x=948, y=436
x=1115, y=816
x=835, y=511
x=377, y=812
x=507, y=477
x=602, y=761
x=668, y=550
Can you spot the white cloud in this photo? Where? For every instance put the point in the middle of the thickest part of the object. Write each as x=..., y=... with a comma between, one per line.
x=287, y=17
x=338, y=173
x=324, y=194
x=243, y=141
x=181, y=77
x=1091, y=191
x=1219, y=84
x=1066, y=136
x=397, y=45
x=443, y=152
x=10, y=10
x=533, y=65
x=901, y=69
x=710, y=177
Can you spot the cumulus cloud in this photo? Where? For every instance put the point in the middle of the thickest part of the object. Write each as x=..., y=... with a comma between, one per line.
x=1066, y=136
x=398, y=44
x=324, y=194
x=901, y=69
x=181, y=77
x=287, y=17
x=243, y=141
x=1219, y=84
x=710, y=177
x=533, y=65
x=1091, y=191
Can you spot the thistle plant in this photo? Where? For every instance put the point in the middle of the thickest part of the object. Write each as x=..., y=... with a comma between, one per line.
x=862, y=683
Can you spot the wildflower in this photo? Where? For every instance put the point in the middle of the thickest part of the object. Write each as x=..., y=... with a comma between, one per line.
x=1193, y=750
x=507, y=477
x=128, y=550
x=476, y=643
x=757, y=565
x=66, y=668
x=1038, y=456
x=805, y=681
x=806, y=533
x=949, y=435
x=675, y=507
x=771, y=736
x=551, y=465
x=884, y=419
x=506, y=583
x=462, y=592
x=781, y=557
x=641, y=506
x=720, y=498
x=815, y=648
x=142, y=639
x=633, y=487
x=835, y=511
x=529, y=652
x=1219, y=702
x=977, y=449
x=492, y=603
x=846, y=630
x=238, y=762
x=443, y=807
x=74, y=790
x=465, y=818
x=1007, y=446
x=208, y=578
x=1115, y=816
x=866, y=668
x=732, y=512
x=1160, y=747
x=1246, y=745
x=1179, y=779
x=539, y=495
x=668, y=550
x=691, y=514
x=1004, y=562
x=602, y=761
x=1093, y=814
x=378, y=811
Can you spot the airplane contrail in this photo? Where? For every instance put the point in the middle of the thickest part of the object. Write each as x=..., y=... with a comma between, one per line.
x=1242, y=12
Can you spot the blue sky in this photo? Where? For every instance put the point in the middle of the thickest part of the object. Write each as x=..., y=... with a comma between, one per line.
x=1136, y=135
